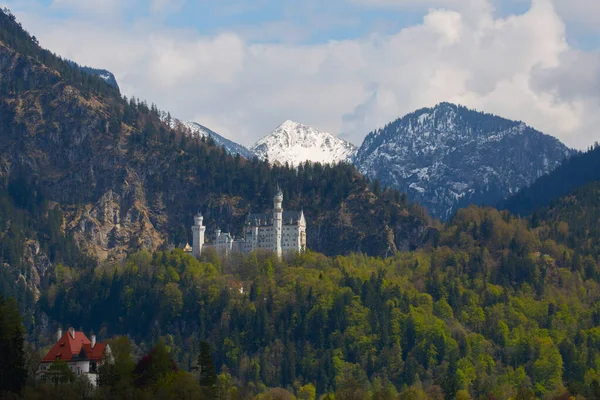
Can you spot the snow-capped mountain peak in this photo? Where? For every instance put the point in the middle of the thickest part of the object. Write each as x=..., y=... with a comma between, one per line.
x=290, y=125
x=449, y=156
x=295, y=143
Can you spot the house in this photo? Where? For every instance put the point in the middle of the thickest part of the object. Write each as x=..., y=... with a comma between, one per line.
x=82, y=355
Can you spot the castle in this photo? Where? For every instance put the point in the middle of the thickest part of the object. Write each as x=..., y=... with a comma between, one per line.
x=280, y=232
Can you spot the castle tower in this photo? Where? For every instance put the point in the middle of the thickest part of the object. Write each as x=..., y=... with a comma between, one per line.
x=302, y=232
x=198, y=235
x=255, y=237
x=278, y=221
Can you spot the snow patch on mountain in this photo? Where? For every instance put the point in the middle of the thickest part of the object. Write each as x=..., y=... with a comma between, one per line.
x=200, y=131
x=448, y=156
x=296, y=143
x=107, y=76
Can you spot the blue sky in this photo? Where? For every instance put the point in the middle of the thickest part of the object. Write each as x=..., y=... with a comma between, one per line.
x=320, y=21
x=345, y=66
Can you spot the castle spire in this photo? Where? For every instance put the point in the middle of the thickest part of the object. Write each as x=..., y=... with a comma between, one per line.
x=278, y=221
x=198, y=235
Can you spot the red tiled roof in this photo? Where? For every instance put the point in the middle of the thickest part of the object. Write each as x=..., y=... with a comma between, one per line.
x=68, y=346
x=96, y=353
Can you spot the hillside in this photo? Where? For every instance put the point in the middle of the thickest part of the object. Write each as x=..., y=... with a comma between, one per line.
x=578, y=171
x=498, y=307
x=103, y=74
x=574, y=221
x=449, y=156
x=123, y=180
x=197, y=130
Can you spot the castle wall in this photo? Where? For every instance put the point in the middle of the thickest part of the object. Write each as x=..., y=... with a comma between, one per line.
x=291, y=238
x=277, y=237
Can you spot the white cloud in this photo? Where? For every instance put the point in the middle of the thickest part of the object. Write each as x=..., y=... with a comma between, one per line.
x=585, y=12
x=582, y=11
x=520, y=67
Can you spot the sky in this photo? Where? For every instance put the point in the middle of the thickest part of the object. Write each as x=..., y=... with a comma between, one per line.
x=242, y=67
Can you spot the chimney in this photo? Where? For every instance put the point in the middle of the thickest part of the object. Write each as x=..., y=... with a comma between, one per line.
x=93, y=341
x=72, y=332
x=58, y=334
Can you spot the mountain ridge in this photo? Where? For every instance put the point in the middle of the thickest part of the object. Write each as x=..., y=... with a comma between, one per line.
x=579, y=170
x=435, y=177
x=201, y=131
x=448, y=154
x=103, y=74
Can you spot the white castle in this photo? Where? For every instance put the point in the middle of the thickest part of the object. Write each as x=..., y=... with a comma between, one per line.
x=280, y=232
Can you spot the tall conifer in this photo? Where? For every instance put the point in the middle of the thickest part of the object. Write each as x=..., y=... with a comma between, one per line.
x=13, y=373
x=208, y=377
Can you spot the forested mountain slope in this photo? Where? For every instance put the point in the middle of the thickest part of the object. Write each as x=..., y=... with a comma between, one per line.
x=122, y=180
x=197, y=130
x=574, y=221
x=496, y=307
x=32, y=243
x=575, y=172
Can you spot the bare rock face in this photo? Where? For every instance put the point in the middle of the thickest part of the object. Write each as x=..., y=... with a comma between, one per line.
x=111, y=228
x=39, y=266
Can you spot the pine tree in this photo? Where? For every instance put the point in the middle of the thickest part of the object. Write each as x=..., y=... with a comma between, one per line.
x=12, y=368
x=208, y=377
x=450, y=383
x=154, y=367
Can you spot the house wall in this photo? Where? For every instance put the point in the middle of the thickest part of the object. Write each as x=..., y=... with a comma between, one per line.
x=79, y=368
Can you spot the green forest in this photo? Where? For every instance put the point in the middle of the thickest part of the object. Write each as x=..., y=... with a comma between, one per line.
x=495, y=307
x=573, y=173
